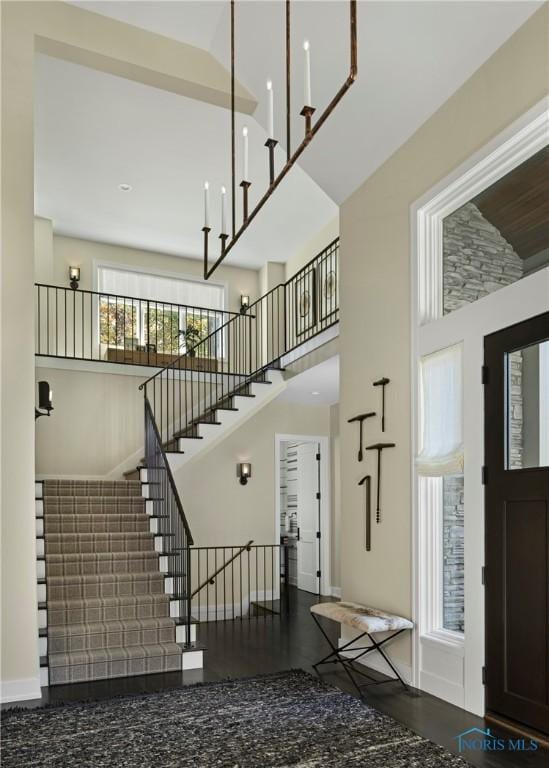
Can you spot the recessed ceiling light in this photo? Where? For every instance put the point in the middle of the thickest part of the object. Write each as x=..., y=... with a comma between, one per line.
x=125, y=187
x=315, y=393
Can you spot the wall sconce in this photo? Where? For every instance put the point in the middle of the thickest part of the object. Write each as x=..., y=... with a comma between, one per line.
x=74, y=276
x=45, y=399
x=244, y=304
x=244, y=472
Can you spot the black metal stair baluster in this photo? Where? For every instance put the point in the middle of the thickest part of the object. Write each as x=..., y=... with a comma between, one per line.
x=56, y=323
x=232, y=583
x=207, y=585
x=199, y=578
x=240, y=579
x=248, y=549
x=215, y=581
x=48, y=320
x=224, y=589
x=265, y=549
x=272, y=578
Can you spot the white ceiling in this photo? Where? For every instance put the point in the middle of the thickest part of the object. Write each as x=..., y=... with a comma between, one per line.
x=94, y=131
x=412, y=57
x=322, y=379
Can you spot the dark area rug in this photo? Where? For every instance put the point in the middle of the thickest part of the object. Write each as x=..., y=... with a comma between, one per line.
x=286, y=719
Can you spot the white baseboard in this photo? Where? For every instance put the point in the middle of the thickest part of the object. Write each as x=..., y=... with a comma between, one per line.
x=20, y=690
x=375, y=661
x=335, y=592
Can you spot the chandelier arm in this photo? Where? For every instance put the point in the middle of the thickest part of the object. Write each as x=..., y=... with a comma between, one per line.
x=310, y=133
x=233, y=137
x=288, y=89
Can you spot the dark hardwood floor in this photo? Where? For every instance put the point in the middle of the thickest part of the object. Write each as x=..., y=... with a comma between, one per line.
x=274, y=643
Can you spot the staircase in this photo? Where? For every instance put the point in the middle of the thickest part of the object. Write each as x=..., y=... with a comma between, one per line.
x=106, y=607
x=115, y=557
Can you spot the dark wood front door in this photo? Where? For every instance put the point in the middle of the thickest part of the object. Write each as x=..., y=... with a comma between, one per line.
x=517, y=522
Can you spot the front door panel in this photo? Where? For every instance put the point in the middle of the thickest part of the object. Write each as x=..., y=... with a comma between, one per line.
x=517, y=523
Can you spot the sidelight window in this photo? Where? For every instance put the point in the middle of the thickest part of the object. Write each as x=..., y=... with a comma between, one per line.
x=440, y=459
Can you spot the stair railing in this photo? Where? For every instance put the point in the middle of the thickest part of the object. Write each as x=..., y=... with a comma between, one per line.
x=211, y=579
x=236, y=580
x=245, y=346
x=171, y=522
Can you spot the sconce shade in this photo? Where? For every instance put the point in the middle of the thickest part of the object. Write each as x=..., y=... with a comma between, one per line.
x=44, y=396
x=244, y=472
x=74, y=276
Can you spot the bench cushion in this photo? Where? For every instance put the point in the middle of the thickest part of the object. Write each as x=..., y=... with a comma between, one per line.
x=361, y=617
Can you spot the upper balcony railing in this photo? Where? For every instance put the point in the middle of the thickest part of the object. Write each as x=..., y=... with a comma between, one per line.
x=102, y=327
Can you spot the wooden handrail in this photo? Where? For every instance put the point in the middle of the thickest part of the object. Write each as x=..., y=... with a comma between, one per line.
x=211, y=579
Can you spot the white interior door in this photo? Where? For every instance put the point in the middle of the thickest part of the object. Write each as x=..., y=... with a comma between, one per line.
x=307, y=516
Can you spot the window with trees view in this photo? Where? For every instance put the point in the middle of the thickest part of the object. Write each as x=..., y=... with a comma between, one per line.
x=152, y=324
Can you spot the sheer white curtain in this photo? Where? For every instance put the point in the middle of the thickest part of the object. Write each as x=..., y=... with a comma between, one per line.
x=141, y=285
x=441, y=413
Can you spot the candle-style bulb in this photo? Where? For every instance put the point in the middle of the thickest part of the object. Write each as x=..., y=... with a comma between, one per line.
x=223, y=211
x=245, y=154
x=270, y=130
x=307, y=80
x=206, y=205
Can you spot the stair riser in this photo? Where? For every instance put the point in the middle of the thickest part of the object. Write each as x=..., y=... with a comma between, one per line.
x=119, y=668
x=134, y=588
x=111, y=640
x=109, y=544
x=126, y=637
x=92, y=615
x=96, y=524
x=84, y=506
x=99, y=567
x=117, y=488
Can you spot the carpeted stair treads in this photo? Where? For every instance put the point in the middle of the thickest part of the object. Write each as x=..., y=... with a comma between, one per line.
x=107, y=611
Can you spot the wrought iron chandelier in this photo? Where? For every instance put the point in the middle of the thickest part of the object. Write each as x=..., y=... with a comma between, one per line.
x=311, y=130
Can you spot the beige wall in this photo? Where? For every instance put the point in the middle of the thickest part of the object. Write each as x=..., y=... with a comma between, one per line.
x=75, y=252
x=19, y=672
x=323, y=238
x=219, y=509
x=107, y=45
x=97, y=423
x=375, y=303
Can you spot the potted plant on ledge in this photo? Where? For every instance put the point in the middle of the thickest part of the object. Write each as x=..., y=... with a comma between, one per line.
x=193, y=335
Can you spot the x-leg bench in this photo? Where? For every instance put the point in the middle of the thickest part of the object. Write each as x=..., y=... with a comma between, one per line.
x=370, y=621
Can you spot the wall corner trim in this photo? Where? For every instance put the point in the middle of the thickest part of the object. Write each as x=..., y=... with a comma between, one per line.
x=20, y=690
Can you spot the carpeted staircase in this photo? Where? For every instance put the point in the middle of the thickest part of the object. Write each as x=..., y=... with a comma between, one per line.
x=107, y=611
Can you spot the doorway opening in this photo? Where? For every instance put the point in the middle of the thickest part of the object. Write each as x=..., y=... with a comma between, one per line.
x=302, y=510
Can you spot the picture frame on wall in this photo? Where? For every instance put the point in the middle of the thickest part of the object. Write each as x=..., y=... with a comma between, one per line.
x=328, y=287
x=305, y=302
